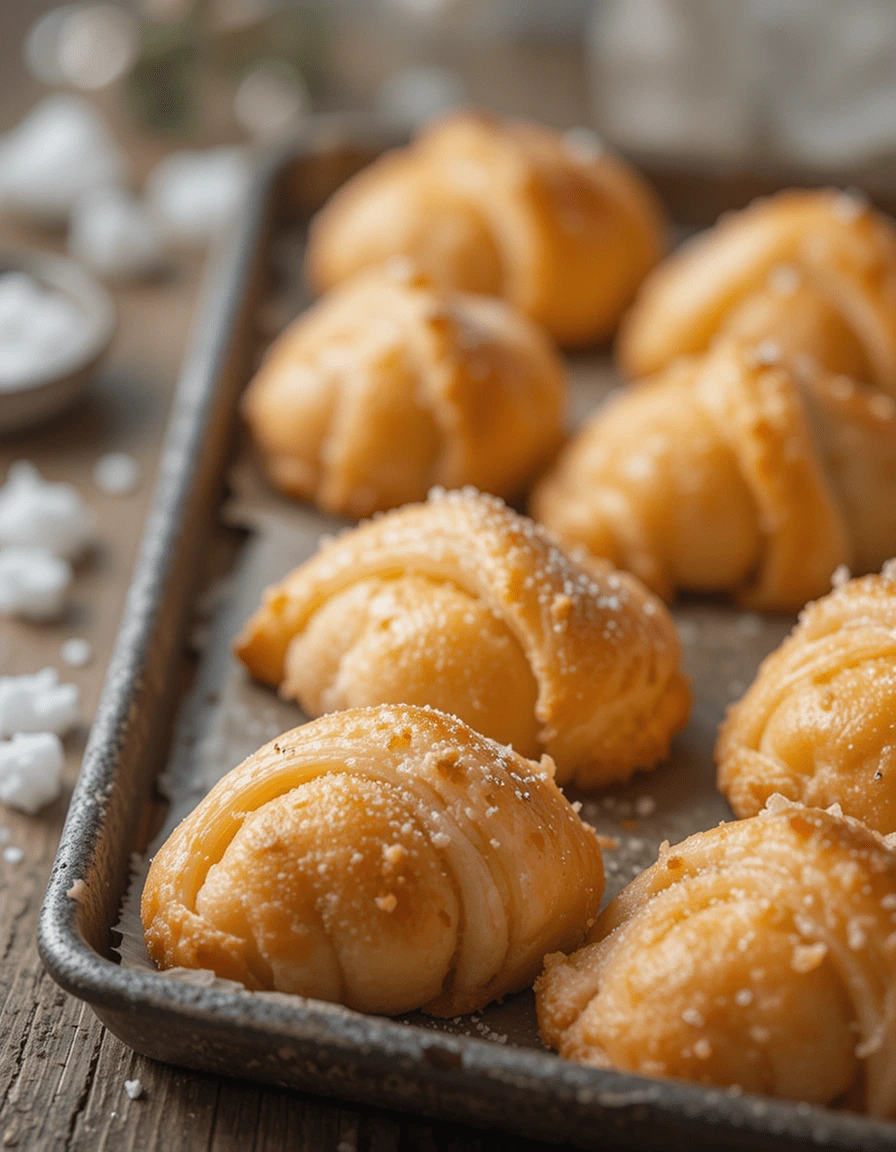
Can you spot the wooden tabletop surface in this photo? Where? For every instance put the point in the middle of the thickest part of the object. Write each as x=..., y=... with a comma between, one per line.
x=61, y=1074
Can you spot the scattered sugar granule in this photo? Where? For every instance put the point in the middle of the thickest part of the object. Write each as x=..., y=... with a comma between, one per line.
x=767, y=353
x=13, y=855
x=784, y=279
x=193, y=195
x=33, y=583
x=694, y=1017
x=76, y=652
x=387, y=903
x=61, y=149
x=703, y=1049
x=807, y=957
x=743, y=997
x=850, y=205
x=115, y=233
x=35, y=512
x=117, y=474
x=645, y=806
x=855, y=936
x=37, y=703
x=40, y=330
x=840, y=576
x=133, y=1089
x=30, y=770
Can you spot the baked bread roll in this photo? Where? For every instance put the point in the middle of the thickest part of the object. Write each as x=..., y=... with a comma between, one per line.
x=386, y=858
x=390, y=385
x=732, y=473
x=759, y=953
x=811, y=272
x=552, y=223
x=819, y=722
x=464, y=605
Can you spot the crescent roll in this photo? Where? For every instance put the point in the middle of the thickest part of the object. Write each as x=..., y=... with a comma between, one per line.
x=464, y=605
x=819, y=722
x=761, y=953
x=811, y=272
x=385, y=858
x=390, y=385
x=734, y=473
x=552, y=223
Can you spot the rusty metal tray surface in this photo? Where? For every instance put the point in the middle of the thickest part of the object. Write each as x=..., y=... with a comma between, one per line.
x=151, y=732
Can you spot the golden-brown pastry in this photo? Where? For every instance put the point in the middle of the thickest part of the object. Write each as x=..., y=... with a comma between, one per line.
x=729, y=472
x=385, y=858
x=761, y=953
x=819, y=722
x=811, y=272
x=558, y=227
x=389, y=385
x=462, y=604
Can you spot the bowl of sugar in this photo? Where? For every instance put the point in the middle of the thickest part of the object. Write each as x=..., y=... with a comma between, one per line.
x=56, y=323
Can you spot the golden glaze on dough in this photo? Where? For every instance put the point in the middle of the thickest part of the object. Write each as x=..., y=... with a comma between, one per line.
x=389, y=385
x=561, y=229
x=761, y=953
x=730, y=473
x=463, y=604
x=384, y=858
x=811, y=272
x=818, y=724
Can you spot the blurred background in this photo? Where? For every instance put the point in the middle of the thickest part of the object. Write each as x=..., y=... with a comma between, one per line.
x=742, y=93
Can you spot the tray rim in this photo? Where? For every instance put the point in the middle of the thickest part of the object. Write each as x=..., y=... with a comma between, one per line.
x=108, y=987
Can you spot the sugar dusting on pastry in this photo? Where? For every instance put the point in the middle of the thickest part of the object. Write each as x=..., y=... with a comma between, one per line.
x=387, y=858
x=745, y=956
x=391, y=383
x=818, y=724
x=466, y=605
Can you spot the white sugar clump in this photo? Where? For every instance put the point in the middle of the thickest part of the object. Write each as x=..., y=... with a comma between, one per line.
x=39, y=329
x=61, y=149
x=133, y=1089
x=840, y=576
x=76, y=652
x=13, y=855
x=37, y=703
x=35, y=512
x=33, y=583
x=30, y=770
x=117, y=474
x=195, y=194
x=115, y=233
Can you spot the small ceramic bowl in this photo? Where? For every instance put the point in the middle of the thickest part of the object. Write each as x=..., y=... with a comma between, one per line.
x=43, y=393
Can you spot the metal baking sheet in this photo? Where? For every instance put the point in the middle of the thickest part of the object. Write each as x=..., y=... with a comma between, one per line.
x=142, y=771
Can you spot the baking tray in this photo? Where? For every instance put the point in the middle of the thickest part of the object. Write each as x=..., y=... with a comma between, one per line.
x=488, y=1069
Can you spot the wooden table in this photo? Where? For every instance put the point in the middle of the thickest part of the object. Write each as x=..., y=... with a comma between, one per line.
x=61, y=1074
